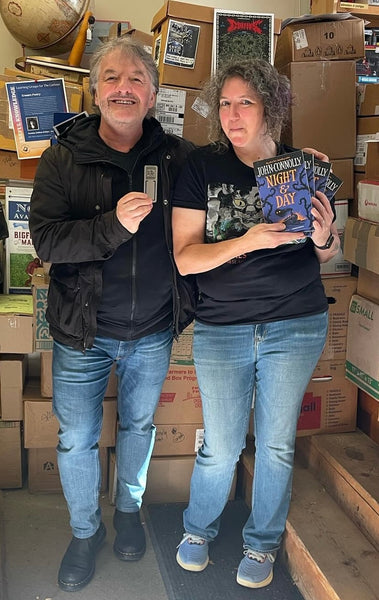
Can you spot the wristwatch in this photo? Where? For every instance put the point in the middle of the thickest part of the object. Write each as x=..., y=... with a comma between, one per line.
x=327, y=244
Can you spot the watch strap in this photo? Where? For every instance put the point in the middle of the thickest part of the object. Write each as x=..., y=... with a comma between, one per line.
x=327, y=244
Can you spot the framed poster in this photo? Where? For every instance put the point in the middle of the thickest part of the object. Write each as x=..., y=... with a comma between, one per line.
x=242, y=34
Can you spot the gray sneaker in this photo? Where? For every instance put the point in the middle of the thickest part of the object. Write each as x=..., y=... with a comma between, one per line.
x=256, y=569
x=192, y=553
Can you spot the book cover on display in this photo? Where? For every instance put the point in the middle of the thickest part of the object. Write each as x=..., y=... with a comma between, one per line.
x=242, y=34
x=309, y=166
x=333, y=184
x=284, y=191
x=32, y=105
x=20, y=256
x=321, y=171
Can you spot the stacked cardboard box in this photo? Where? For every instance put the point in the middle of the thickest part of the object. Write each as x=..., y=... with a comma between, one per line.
x=16, y=341
x=179, y=108
x=362, y=249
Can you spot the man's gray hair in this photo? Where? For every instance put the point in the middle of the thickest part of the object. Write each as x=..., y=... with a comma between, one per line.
x=129, y=48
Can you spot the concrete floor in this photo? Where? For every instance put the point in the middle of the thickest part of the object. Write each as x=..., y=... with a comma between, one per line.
x=34, y=534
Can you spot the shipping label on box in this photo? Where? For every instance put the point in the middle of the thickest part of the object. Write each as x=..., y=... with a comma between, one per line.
x=182, y=112
x=362, y=352
x=367, y=131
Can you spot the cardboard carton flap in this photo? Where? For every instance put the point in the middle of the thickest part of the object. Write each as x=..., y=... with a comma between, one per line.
x=317, y=18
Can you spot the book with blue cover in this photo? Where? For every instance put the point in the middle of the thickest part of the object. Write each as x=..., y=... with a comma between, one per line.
x=321, y=174
x=284, y=191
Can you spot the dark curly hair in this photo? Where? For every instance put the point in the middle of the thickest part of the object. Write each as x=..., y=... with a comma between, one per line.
x=272, y=88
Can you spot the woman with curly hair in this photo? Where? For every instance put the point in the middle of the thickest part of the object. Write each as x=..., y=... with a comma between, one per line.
x=262, y=314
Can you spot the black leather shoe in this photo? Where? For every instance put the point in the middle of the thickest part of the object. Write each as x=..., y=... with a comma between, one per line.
x=130, y=542
x=78, y=564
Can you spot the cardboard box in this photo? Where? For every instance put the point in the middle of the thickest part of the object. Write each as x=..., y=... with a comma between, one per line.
x=47, y=378
x=338, y=291
x=323, y=115
x=146, y=39
x=43, y=472
x=367, y=99
x=368, y=200
x=41, y=426
x=181, y=111
x=168, y=479
x=182, y=352
x=180, y=400
x=362, y=351
x=330, y=401
x=326, y=40
x=367, y=129
x=188, y=68
x=12, y=167
x=368, y=285
x=368, y=415
x=16, y=324
x=337, y=266
x=178, y=440
x=12, y=378
x=361, y=243
x=344, y=169
x=372, y=159
x=11, y=467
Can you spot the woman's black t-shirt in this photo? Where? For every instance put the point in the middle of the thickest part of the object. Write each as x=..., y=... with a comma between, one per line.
x=257, y=287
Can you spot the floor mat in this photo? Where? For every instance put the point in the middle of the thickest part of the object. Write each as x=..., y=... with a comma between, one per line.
x=218, y=580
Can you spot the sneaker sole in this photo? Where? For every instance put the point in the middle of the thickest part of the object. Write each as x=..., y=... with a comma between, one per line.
x=255, y=584
x=190, y=566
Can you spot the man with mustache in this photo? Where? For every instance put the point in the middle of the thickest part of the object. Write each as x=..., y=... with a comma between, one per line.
x=101, y=214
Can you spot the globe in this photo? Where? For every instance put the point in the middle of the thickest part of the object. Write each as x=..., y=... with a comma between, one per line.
x=49, y=24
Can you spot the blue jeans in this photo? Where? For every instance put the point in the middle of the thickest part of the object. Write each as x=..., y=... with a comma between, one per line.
x=79, y=383
x=276, y=361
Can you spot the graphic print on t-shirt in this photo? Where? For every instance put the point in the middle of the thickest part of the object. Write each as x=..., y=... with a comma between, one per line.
x=231, y=210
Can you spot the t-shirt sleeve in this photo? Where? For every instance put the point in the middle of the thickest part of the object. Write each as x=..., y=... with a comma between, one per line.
x=190, y=188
